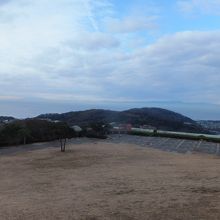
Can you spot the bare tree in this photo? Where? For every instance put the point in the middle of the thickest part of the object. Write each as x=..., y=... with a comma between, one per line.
x=63, y=144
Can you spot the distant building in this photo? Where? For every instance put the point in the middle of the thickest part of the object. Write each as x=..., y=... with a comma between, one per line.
x=210, y=124
x=49, y=120
x=56, y=121
x=76, y=128
x=123, y=128
x=188, y=123
x=7, y=121
x=150, y=127
x=113, y=124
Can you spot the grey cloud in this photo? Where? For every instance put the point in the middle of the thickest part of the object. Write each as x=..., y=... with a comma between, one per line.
x=182, y=66
x=175, y=67
x=58, y=58
x=96, y=41
x=132, y=24
x=199, y=6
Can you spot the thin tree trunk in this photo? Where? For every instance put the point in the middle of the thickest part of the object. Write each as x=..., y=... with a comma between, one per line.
x=63, y=144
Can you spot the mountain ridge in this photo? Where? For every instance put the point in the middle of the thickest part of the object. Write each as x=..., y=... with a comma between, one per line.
x=158, y=117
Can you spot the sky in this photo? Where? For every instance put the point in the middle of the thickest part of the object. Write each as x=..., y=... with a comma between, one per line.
x=67, y=55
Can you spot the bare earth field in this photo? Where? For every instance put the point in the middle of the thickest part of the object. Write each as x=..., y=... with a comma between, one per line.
x=100, y=180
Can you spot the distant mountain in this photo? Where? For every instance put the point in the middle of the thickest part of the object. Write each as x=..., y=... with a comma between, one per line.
x=5, y=118
x=160, y=118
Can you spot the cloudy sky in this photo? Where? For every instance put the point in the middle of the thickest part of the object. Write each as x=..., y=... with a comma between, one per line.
x=63, y=55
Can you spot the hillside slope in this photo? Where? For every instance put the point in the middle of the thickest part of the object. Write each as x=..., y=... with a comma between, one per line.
x=157, y=117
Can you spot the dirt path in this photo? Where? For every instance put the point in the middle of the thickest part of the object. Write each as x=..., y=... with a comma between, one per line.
x=109, y=181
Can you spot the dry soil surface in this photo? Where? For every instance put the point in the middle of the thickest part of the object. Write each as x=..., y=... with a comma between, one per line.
x=98, y=181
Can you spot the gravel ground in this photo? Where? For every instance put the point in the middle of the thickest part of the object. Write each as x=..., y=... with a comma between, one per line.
x=165, y=144
x=168, y=144
x=109, y=180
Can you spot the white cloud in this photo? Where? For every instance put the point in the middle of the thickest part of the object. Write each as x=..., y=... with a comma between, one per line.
x=36, y=36
x=200, y=6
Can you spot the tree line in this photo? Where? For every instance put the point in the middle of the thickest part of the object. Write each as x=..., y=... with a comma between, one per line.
x=33, y=130
x=37, y=130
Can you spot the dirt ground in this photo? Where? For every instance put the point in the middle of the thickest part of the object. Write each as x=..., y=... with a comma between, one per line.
x=98, y=181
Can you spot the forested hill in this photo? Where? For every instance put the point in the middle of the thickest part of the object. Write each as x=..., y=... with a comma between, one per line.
x=6, y=118
x=157, y=117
